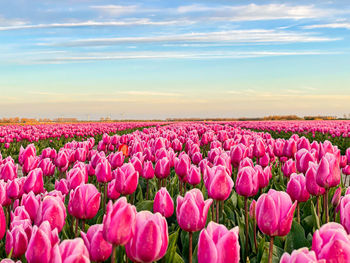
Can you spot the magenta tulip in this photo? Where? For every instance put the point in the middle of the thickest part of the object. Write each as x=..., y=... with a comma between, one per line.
x=34, y=182
x=194, y=176
x=73, y=250
x=247, y=183
x=289, y=168
x=150, y=240
x=126, y=179
x=218, y=244
x=219, y=183
x=17, y=241
x=103, y=171
x=163, y=203
x=162, y=168
x=300, y=256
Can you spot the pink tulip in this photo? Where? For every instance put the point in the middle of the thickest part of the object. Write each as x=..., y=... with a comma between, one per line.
x=118, y=222
x=290, y=148
x=328, y=172
x=331, y=243
x=116, y=159
x=34, y=182
x=126, y=179
x=264, y=175
x=219, y=183
x=148, y=170
x=30, y=164
x=312, y=187
x=111, y=191
x=8, y=171
x=41, y=244
x=17, y=241
x=103, y=171
x=84, y=201
x=24, y=154
x=302, y=159
x=150, y=240
x=336, y=197
x=194, y=176
x=4, y=197
x=346, y=170
x=52, y=209
x=80, y=154
x=163, y=203
x=14, y=188
x=31, y=203
x=278, y=147
x=47, y=167
x=99, y=249
x=192, y=210
x=62, y=186
x=74, y=250
x=247, y=183
x=296, y=188
x=62, y=161
x=76, y=177
x=182, y=165
x=289, y=168
x=299, y=256
x=162, y=169
x=196, y=158
x=274, y=213
x=218, y=244
x=264, y=160
x=259, y=148
x=345, y=212
x=2, y=223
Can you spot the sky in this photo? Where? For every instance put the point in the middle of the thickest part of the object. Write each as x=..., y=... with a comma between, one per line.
x=161, y=59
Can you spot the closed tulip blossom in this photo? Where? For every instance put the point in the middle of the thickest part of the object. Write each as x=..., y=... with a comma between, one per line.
x=328, y=175
x=219, y=183
x=41, y=244
x=182, y=165
x=296, y=188
x=84, y=202
x=126, y=179
x=8, y=171
x=31, y=203
x=162, y=168
x=15, y=188
x=163, y=203
x=103, y=171
x=237, y=154
x=301, y=255
x=149, y=242
x=113, y=194
x=53, y=210
x=331, y=243
x=289, y=168
x=274, y=215
x=302, y=159
x=17, y=241
x=194, y=176
x=62, y=186
x=62, y=161
x=73, y=250
x=345, y=212
x=116, y=159
x=118, y=223
x=247, y=183
x=217, y=244
x=47, y=167
x=34, y=182
x=75, y=177
x=99, y=249
x=2, y=222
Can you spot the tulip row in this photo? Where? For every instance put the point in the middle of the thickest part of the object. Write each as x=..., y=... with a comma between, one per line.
x=238, y=195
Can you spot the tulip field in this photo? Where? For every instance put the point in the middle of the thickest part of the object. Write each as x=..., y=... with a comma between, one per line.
x=180, y=192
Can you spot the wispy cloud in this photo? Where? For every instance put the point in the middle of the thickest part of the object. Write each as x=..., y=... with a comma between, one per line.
x=129, y=22
x=229, y=36
x=116, y=9
x=330, y=25
x=151, y=93
x=254, y=12
x=91, y=57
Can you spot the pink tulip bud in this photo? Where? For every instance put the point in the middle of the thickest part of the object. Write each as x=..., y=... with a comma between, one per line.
x=192, y=210
x=219, y=183
x=259, y=148
x=62, y=186
x=84, y=201
x=182, y=165
x=148, y=170
x=103, y=171
x=99, y=249
x=52, y=209
x=328, y=172
x=31, y=203
x=302, y=159
x=331, y=243
x=346, y=170
x=4, y=197
x=345, y=212
x=47, y=167
x=76, y=177
x=34, y=182
x=44, y=238
x=2, y=223
x=311, y=185
x=8, y=171
x=299, y=256
x=162, y=169
x=73, y=250
x=274, y=213
x=247, y=183
x=118, y=222
x=62, y=161
x=336, y=197
x=163, y=203
x=196, y=158
x=126, y=179
x=289, y=168
x=290, y=148
x=194, y=176
x=296, y=188
x=112, y=192
x=17, y=241
x=218, y=244
x=150, y=240
x=116, y=159
x=30, y=164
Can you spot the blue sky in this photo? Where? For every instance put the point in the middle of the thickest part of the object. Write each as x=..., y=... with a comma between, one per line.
x=158, y=59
